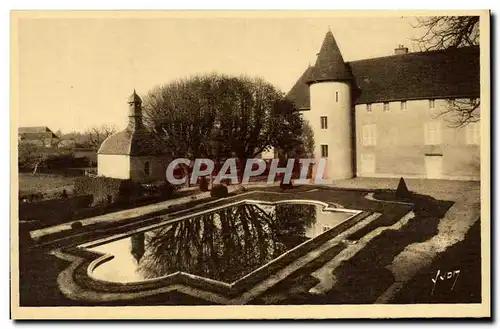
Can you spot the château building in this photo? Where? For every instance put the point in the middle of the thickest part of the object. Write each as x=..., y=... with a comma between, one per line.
x=383, y=117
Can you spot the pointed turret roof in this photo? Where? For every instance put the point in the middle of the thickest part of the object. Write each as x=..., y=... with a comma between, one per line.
x=134, y=98
x=330, y=65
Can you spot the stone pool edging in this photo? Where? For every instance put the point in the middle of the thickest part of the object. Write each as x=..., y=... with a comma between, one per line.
x=89, y=260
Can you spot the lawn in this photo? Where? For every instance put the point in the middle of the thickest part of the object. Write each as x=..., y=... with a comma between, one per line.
x=49, y=184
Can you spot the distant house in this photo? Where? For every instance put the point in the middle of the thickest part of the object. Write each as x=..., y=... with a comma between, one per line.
x=38, y=136
x=66, y=144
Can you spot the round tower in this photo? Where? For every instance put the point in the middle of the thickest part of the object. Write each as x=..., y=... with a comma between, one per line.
x=330, y=113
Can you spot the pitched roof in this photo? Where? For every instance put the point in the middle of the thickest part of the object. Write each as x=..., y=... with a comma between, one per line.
x=35, y=132
x=330, y=65
x=299, y=94
x=450, y=73
x=139, y=142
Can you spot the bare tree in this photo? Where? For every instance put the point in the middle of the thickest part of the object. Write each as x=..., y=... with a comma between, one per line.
x=97, y=135
x=444, y=32
x=30, y=157
x=460, y=112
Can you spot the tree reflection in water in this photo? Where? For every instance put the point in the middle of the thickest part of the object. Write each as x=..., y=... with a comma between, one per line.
x=227, y=244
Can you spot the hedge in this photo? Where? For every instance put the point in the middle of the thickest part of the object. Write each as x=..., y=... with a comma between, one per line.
x=53, y=210
x=108, y=190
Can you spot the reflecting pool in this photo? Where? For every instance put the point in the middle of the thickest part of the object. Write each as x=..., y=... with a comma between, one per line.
x=224, y=244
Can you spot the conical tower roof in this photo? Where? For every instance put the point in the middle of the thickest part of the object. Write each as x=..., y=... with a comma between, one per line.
x=330, y=65
x=134, y=98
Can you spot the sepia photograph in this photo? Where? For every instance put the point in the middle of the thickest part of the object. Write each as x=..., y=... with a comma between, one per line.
x=268, y=164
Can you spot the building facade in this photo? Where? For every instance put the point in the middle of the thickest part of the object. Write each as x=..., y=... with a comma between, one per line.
x=385, y=117
x=133, y=153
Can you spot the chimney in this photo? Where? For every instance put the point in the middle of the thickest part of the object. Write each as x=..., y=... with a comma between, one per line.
x=400, y=50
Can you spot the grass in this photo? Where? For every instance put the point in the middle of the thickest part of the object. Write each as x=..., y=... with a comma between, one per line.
x=49, y=184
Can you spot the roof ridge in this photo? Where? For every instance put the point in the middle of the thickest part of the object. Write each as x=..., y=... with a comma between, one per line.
x=418, y=53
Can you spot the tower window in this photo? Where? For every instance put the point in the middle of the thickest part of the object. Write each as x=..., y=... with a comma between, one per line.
x=147, y=169
x=368, y=107
x=324, y=151
x=324, y=123
x=403, y=105
x=431, y=104
x=386, y=106
x=336, y=96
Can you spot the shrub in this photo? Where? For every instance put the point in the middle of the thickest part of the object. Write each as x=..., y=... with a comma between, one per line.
x=219, y=191
x=120, y=190
x=54, y=210
x=203, y=184
x=76, y=225
x=128, y=190
x=167, y=189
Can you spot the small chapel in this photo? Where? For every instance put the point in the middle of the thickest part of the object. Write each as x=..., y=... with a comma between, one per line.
x=132, y=153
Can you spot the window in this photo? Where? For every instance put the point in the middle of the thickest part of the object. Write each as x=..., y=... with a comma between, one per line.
x=324, y=151
x=431, y=104
x=324, y=123
x=147, y=170
x=473, y=133
x=369, y=135
x=386, y=106
x=432, y=133
x=368, y=107
x=336, y=96
x=403, y=105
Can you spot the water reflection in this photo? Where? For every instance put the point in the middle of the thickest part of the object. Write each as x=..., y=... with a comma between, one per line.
x=223, y=245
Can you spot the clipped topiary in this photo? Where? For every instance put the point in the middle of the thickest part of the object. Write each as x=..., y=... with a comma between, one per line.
x=203, y=184
x=166, y=189
x=219, y=191
x=76, y=225
x=402, y=191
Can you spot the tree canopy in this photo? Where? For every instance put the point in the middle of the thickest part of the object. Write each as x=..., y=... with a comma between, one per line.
x=219, y=116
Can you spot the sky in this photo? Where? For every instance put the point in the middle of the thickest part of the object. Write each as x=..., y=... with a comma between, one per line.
x=76, y=73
